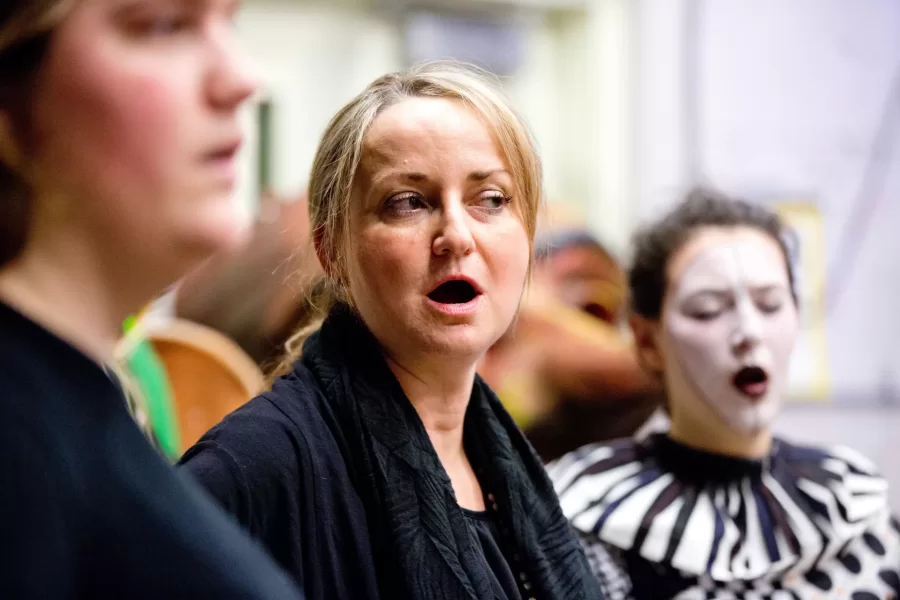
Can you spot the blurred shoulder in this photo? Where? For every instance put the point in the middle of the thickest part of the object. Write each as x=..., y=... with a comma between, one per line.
x=281, y=421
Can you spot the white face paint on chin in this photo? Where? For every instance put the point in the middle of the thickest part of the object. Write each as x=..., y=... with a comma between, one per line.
x=731, y=309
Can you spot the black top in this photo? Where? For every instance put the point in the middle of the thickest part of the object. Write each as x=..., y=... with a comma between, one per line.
x=484, y=532
x=274, y=465
x=89, y=509
x=249, y=462
x=333, y=470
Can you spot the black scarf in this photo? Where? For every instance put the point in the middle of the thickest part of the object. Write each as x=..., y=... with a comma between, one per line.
x=420, y=541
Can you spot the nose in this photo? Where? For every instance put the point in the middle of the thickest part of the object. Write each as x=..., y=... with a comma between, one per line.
x=454, y=236
x=748, y=330
x=231, y=79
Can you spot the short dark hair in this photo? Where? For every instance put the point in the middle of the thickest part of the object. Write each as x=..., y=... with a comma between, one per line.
x=655, y=245
x=548, y=244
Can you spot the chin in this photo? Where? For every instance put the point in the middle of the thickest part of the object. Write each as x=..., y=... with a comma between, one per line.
x=224, y=232
x=758, y=418
x=462, y=342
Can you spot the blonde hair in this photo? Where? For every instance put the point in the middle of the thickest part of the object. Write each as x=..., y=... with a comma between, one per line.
x=25, y=30
x=338, y=156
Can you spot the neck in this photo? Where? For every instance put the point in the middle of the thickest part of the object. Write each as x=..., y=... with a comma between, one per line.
x=718, y=440
x=440, y=394
x=61, y=283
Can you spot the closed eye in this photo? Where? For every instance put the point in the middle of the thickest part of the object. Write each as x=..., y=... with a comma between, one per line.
x=707, y=306
x=704, y=315
x=769, y=306
x=770, y=300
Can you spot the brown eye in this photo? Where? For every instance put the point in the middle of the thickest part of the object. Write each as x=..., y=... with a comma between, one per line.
x=493, y=202
x=405, y=204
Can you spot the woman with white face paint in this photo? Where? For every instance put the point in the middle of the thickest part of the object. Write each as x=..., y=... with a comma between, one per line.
x=717, y=507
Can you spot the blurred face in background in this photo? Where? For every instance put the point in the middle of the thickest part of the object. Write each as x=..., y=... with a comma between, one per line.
x=133, y=131
x=584, y=277
x=438, y=251
x=728, y=329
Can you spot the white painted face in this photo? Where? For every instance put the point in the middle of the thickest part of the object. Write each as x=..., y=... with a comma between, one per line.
x=730, y=324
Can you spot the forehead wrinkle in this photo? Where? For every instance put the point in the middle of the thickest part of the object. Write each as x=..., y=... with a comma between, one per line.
x=378, y=155
x=398, y=153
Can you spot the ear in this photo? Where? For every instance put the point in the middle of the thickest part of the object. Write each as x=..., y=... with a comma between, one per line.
x=646, y=340
x=322, y=253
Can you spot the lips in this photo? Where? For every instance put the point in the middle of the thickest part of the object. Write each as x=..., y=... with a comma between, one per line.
x=224, y=152
x=455, y=290
x=751, y=381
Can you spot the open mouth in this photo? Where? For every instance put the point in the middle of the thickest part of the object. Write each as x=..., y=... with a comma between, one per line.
x=454, y=291
x=598, y=311
x=751, y=381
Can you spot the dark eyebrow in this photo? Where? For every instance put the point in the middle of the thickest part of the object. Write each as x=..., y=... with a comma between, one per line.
x=417, y=177
x=482, y=175
x=718, y=293
x=473, y=176
x=723, y=293
x=769, y=289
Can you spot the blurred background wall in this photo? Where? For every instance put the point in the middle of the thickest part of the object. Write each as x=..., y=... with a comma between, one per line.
x=794, y=103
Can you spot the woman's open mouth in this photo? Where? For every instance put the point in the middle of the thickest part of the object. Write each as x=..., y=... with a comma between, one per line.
x=751, y=381
x=455, y=296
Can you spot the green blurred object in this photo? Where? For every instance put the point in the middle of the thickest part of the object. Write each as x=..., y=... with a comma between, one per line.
x=150, y=376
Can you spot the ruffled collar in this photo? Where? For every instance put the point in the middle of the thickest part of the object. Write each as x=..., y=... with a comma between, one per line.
x=724, y=518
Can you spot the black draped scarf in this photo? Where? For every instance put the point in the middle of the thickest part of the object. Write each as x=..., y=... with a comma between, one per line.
x=420, y=541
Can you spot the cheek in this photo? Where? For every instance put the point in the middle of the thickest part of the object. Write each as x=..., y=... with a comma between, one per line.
x=696, y=343
x=781, y=334
x=385, y=261
x=121, y=125
x=507, y=258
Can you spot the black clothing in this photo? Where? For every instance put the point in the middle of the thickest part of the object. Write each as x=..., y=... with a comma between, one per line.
x=89, y=509
x=485, y=533
x=334, y=471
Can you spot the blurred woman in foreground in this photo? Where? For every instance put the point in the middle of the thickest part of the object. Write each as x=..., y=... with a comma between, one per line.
x=118, y=131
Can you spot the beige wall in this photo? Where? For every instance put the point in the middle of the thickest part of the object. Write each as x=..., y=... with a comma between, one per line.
x=572, y=89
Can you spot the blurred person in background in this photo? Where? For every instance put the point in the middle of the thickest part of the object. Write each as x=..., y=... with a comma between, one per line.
x=380, y=464
x=717, y=507
x=565, y=370
x=255, y=294
x=118, y=132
